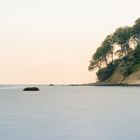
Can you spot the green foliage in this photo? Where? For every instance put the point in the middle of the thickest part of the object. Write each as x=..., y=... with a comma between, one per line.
x=93, y=65
x=136, y=68
x=131, y=63
x=122, y=35
x=136, y=28
x=104, y=73
x=127, y=71
x=101, y=74
x=130, y=60
x=98, y=54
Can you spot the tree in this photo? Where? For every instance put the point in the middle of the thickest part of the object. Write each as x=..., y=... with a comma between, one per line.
x=136, y=28
x=136, y=32
x=107, y=44
x=96, y=60
x=121, y=37
x=94, y=64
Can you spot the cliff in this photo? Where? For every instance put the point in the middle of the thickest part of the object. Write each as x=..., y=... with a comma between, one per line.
x=118, y=78
x=118, y=57
x=127, y=71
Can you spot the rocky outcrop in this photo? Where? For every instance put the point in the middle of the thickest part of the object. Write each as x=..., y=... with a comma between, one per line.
x=31, y=89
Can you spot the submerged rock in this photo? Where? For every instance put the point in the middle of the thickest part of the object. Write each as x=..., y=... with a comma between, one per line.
x=31, y=89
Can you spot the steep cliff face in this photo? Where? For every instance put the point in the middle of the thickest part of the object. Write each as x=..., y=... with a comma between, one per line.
x=118, y=78
x=127, y=70
x=133, y=78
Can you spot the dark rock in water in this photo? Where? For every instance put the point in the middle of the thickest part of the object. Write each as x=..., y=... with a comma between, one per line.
x=51, y=85
x=31, y=89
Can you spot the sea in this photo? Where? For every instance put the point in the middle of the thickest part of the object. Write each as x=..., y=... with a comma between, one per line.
x=69, y=113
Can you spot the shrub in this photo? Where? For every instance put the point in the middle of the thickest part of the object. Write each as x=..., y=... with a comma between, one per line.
x=104, y=73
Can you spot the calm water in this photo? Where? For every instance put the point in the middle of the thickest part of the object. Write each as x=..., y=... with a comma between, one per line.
x=70, y=113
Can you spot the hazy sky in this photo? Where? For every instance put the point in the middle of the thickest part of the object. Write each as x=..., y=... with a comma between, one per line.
x=52, y=41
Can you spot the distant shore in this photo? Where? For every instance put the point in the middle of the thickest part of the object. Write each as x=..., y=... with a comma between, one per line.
x=123, y=85
x=107, y=84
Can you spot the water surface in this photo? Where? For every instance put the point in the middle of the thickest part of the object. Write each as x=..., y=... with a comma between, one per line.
x=70, y=113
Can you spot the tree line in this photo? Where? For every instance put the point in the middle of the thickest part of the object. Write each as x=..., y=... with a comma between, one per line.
x=115, y=46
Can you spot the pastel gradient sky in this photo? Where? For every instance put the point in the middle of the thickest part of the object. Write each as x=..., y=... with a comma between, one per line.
x=52, y=41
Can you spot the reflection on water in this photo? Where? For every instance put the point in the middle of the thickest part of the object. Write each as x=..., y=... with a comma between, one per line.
x=70, y=113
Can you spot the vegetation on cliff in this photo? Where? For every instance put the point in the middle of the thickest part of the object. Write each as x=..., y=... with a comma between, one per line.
x=120, y=50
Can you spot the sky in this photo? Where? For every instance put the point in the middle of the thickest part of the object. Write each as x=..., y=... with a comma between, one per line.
x=52, y=41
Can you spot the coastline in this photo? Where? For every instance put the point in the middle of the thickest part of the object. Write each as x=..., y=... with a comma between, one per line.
x=122, y=85
x=107, y=84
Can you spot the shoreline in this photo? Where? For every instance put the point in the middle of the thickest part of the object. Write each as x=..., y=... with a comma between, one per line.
x=107, y=84
x=122, y=85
